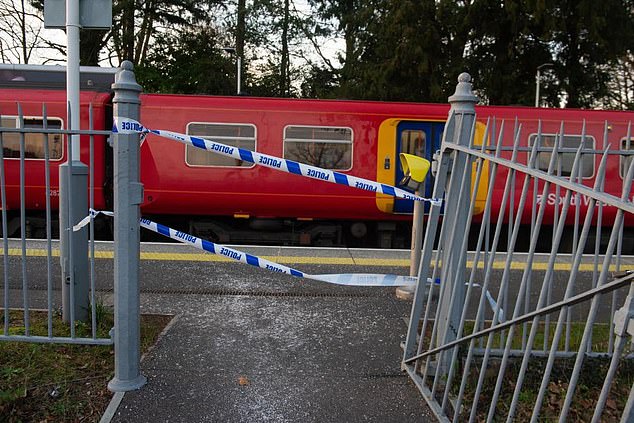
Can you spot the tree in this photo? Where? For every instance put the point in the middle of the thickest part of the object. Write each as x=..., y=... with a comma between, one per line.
x=587, y=36
x=21, y=29
x=134, y=24
x=189, y=62
x=503, y=49
x=620, y=93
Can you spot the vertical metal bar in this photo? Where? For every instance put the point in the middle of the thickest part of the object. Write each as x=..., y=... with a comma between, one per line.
x=558, y=233
x=68, y=229
x=424, y=266
x=462, y=259
x=451, y=286
x=616, y=358
x=91, y=190
x=49, y=255
x=5, y=235
x=506, y=277
x=25, y=284
x=555, y=224
x=510, y=228
x=527, y=300
x=446, y=254
x=465, y=240
x=597, y=239
x=618, y=222
x=542, y=296
x=428, y=245
x=618, y=260
x=575, y=239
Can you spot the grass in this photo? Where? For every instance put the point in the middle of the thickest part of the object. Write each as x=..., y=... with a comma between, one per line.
x=588, y=387
x=584, y=400
x=61, y=382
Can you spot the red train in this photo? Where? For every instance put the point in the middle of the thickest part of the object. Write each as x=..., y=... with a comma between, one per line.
x=235, y=202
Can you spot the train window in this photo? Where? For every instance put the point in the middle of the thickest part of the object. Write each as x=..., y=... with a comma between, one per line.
x=233, y=134
x=33, y=142
x=570, y=144
x=626, y=160
x=326, y=147
x=413, y=142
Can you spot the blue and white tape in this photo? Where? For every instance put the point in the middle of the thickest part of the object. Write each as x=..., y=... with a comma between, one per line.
x=352, y=279
x=131, y=126
x=349, y=279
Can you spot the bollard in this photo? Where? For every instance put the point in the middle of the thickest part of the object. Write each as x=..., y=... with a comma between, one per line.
x=128, y=195
x=407, y=292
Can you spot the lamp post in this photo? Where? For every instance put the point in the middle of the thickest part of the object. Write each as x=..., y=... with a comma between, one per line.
x=232, y=50
x=538, y=78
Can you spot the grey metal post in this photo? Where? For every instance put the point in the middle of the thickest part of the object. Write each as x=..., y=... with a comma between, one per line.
x=73, y=188
x=457, y=131
x=128, y=195
x=73, y=200
x=407, y=292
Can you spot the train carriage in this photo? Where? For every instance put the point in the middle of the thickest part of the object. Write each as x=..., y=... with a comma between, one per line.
x=233, y=201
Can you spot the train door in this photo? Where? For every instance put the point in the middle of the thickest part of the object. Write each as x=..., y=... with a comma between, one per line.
x=421, y=139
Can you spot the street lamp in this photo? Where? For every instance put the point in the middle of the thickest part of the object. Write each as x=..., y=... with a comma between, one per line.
x=232, y=50
x=538, y=77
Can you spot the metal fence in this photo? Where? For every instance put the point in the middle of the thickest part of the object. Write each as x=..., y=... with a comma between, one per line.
x=65, y=305
x=29, y=140
x=500, y=343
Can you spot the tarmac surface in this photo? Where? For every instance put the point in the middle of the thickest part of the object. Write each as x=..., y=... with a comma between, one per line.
x=248, y=345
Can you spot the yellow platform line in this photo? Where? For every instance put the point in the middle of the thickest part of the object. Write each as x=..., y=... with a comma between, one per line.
x=349, y=261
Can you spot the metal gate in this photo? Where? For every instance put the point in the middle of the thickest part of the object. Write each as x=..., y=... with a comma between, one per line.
x=498, y=335
x=36, y=144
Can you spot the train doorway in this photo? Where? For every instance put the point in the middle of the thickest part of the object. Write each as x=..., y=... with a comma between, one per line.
x=421, y=139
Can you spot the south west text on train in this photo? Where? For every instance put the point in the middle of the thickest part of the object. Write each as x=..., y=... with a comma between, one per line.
x=231, y=201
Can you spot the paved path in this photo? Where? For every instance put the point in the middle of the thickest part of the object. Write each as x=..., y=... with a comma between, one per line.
x=287, y=350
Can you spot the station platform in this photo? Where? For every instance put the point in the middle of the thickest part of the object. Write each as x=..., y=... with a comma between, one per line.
x=250, y=345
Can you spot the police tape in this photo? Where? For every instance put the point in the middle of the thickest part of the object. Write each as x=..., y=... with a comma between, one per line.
x=348, y=279
x=131, y=126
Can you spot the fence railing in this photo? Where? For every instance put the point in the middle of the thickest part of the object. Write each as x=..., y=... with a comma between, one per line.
x=494, y=342
x=34, y=139
x=66, y=309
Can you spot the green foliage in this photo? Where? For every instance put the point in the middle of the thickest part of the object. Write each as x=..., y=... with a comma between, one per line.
x=585, y=36
x=409, y=50
x=191, y=62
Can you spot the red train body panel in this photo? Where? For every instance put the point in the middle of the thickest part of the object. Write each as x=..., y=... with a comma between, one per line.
x=573, y=123
x=31, y=104
x=258, y=191
x=360, y=138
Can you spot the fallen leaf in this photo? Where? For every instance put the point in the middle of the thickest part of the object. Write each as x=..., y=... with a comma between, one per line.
x=243, y=381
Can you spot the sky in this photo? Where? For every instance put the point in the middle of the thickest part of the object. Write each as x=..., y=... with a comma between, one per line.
x=330, y=48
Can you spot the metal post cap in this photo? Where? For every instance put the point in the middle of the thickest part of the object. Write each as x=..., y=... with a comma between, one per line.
x=125, y=86
x=464, y=93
